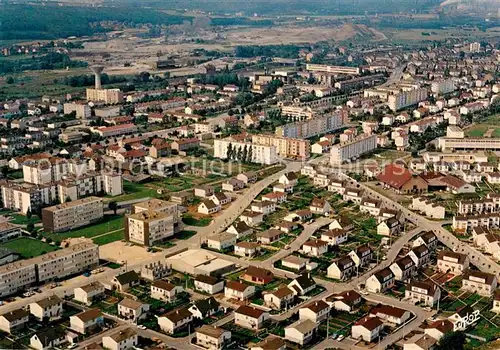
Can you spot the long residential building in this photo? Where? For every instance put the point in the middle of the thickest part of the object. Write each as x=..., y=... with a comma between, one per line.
x=70, y=215
x=260, y=154
x=115, y=130
x=333, y=69
x=285, y=146
x=59, y=264
x=407, y=98
x=108, y=96
x=453, y=143
x=312, y=127
x=352, y=149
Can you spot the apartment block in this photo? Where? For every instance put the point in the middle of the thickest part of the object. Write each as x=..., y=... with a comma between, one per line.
x=148, y=227
x=82, y=110
x=260, y=154
x=66, y=262
x=115, y=130
x=312, y=127
x=285, y=146
x=108, y=96
x=443, y=86
x=70, y=215
x=45, y=171
x=59, y=264
x=467, y=144
x=333, y=69
x=352, y=149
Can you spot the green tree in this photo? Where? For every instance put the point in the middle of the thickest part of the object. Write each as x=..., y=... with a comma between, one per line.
x=229, y=152
x=30, y=227
x=5, y=170
x=113, y=206
x=29, y=214
x=454, y=340
x=240, y=154
x=250, y=155
x=244, y=154
x=10, y=80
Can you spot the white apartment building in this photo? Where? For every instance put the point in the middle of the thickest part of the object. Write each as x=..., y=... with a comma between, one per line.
x=353, y=149
x=16, y=276
x=148, y=227
x=66, y=262
x=260, y=154
x=333, y=69
x=82, y=110
x=70, y=215
x=48, y=308
x=443, y=86
x=312, y=127
x=464, y=144
x=404, y=99
x=108, y=96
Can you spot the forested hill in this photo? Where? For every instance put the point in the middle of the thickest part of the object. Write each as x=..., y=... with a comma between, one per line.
x=52, y=21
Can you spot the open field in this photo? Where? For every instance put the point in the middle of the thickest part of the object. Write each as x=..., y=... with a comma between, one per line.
x=28, y=247
x=489, y=127
x=108, y=238
x=402, y=35
x=110, y=223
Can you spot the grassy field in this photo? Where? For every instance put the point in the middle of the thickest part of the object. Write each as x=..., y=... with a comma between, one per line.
x=28, y=247
x=110, y=237
x=188, y=219
x=110, y=223
x=133, y=191
x=479, y=129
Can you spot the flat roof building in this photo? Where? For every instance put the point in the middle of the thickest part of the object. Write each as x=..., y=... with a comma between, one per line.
x=70, y=215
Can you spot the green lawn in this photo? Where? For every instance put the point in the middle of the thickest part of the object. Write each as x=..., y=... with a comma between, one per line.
x=189, y=220
x=19, y=219
x=110, y=237
x=184, y=234
x=28, y=247
x=134, y=191
x=110, y=223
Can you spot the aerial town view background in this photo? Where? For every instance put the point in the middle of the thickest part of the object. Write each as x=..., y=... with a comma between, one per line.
x=261, y=175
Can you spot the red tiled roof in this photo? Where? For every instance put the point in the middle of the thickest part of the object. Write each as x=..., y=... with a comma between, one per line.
x=395, y=175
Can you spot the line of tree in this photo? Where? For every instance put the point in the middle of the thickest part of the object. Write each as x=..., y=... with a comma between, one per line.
x=51, y=60
x=89, y=80
x=240, y=153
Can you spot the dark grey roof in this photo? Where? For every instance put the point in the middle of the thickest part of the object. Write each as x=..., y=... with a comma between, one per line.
x=206, y=305
x=127, y=277
x=50, y=334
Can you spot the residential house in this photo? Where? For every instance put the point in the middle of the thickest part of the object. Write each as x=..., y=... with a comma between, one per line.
x=451, y=262
x=279, y=298
x=320, y=206
x=233, y=185
x=248, y=177
x=14, y=320
x=240, y=229
x=368, y=328
x=391, y=314
x=380, y=281
x=87, y=321
x=271, y=342
x=478, y=282
x=264, y=207
x=346, y=301
x=221, y=241
x=361, y=255
x=49, y=308
x=342, y=268
x=287, y=226
x=89, y=293
x=239, y=291
x=269, y=236
x=132, y=310
x=208, y=284
x=334, y=237
x=252, y=218
x=124, y=281
x=165, y=291
x=257, y=275
x=48, y=338
x=289, y=179
x=246, y=249
x=276, y=197
x=175, y=320
x=403, y=269
x=212, y=338
x=427, y=293
x=204, y=191
x=302, y=284
x=294, y=263
x=315, y=247
x=389, y=227
x=250, y=317
x=121, y=340
x=420, y=255
x=301, y=332
x=220, y=198
x=203, y=308
x=316, y=311
x=438, y=329
x=428, y=238
x=208, y=207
